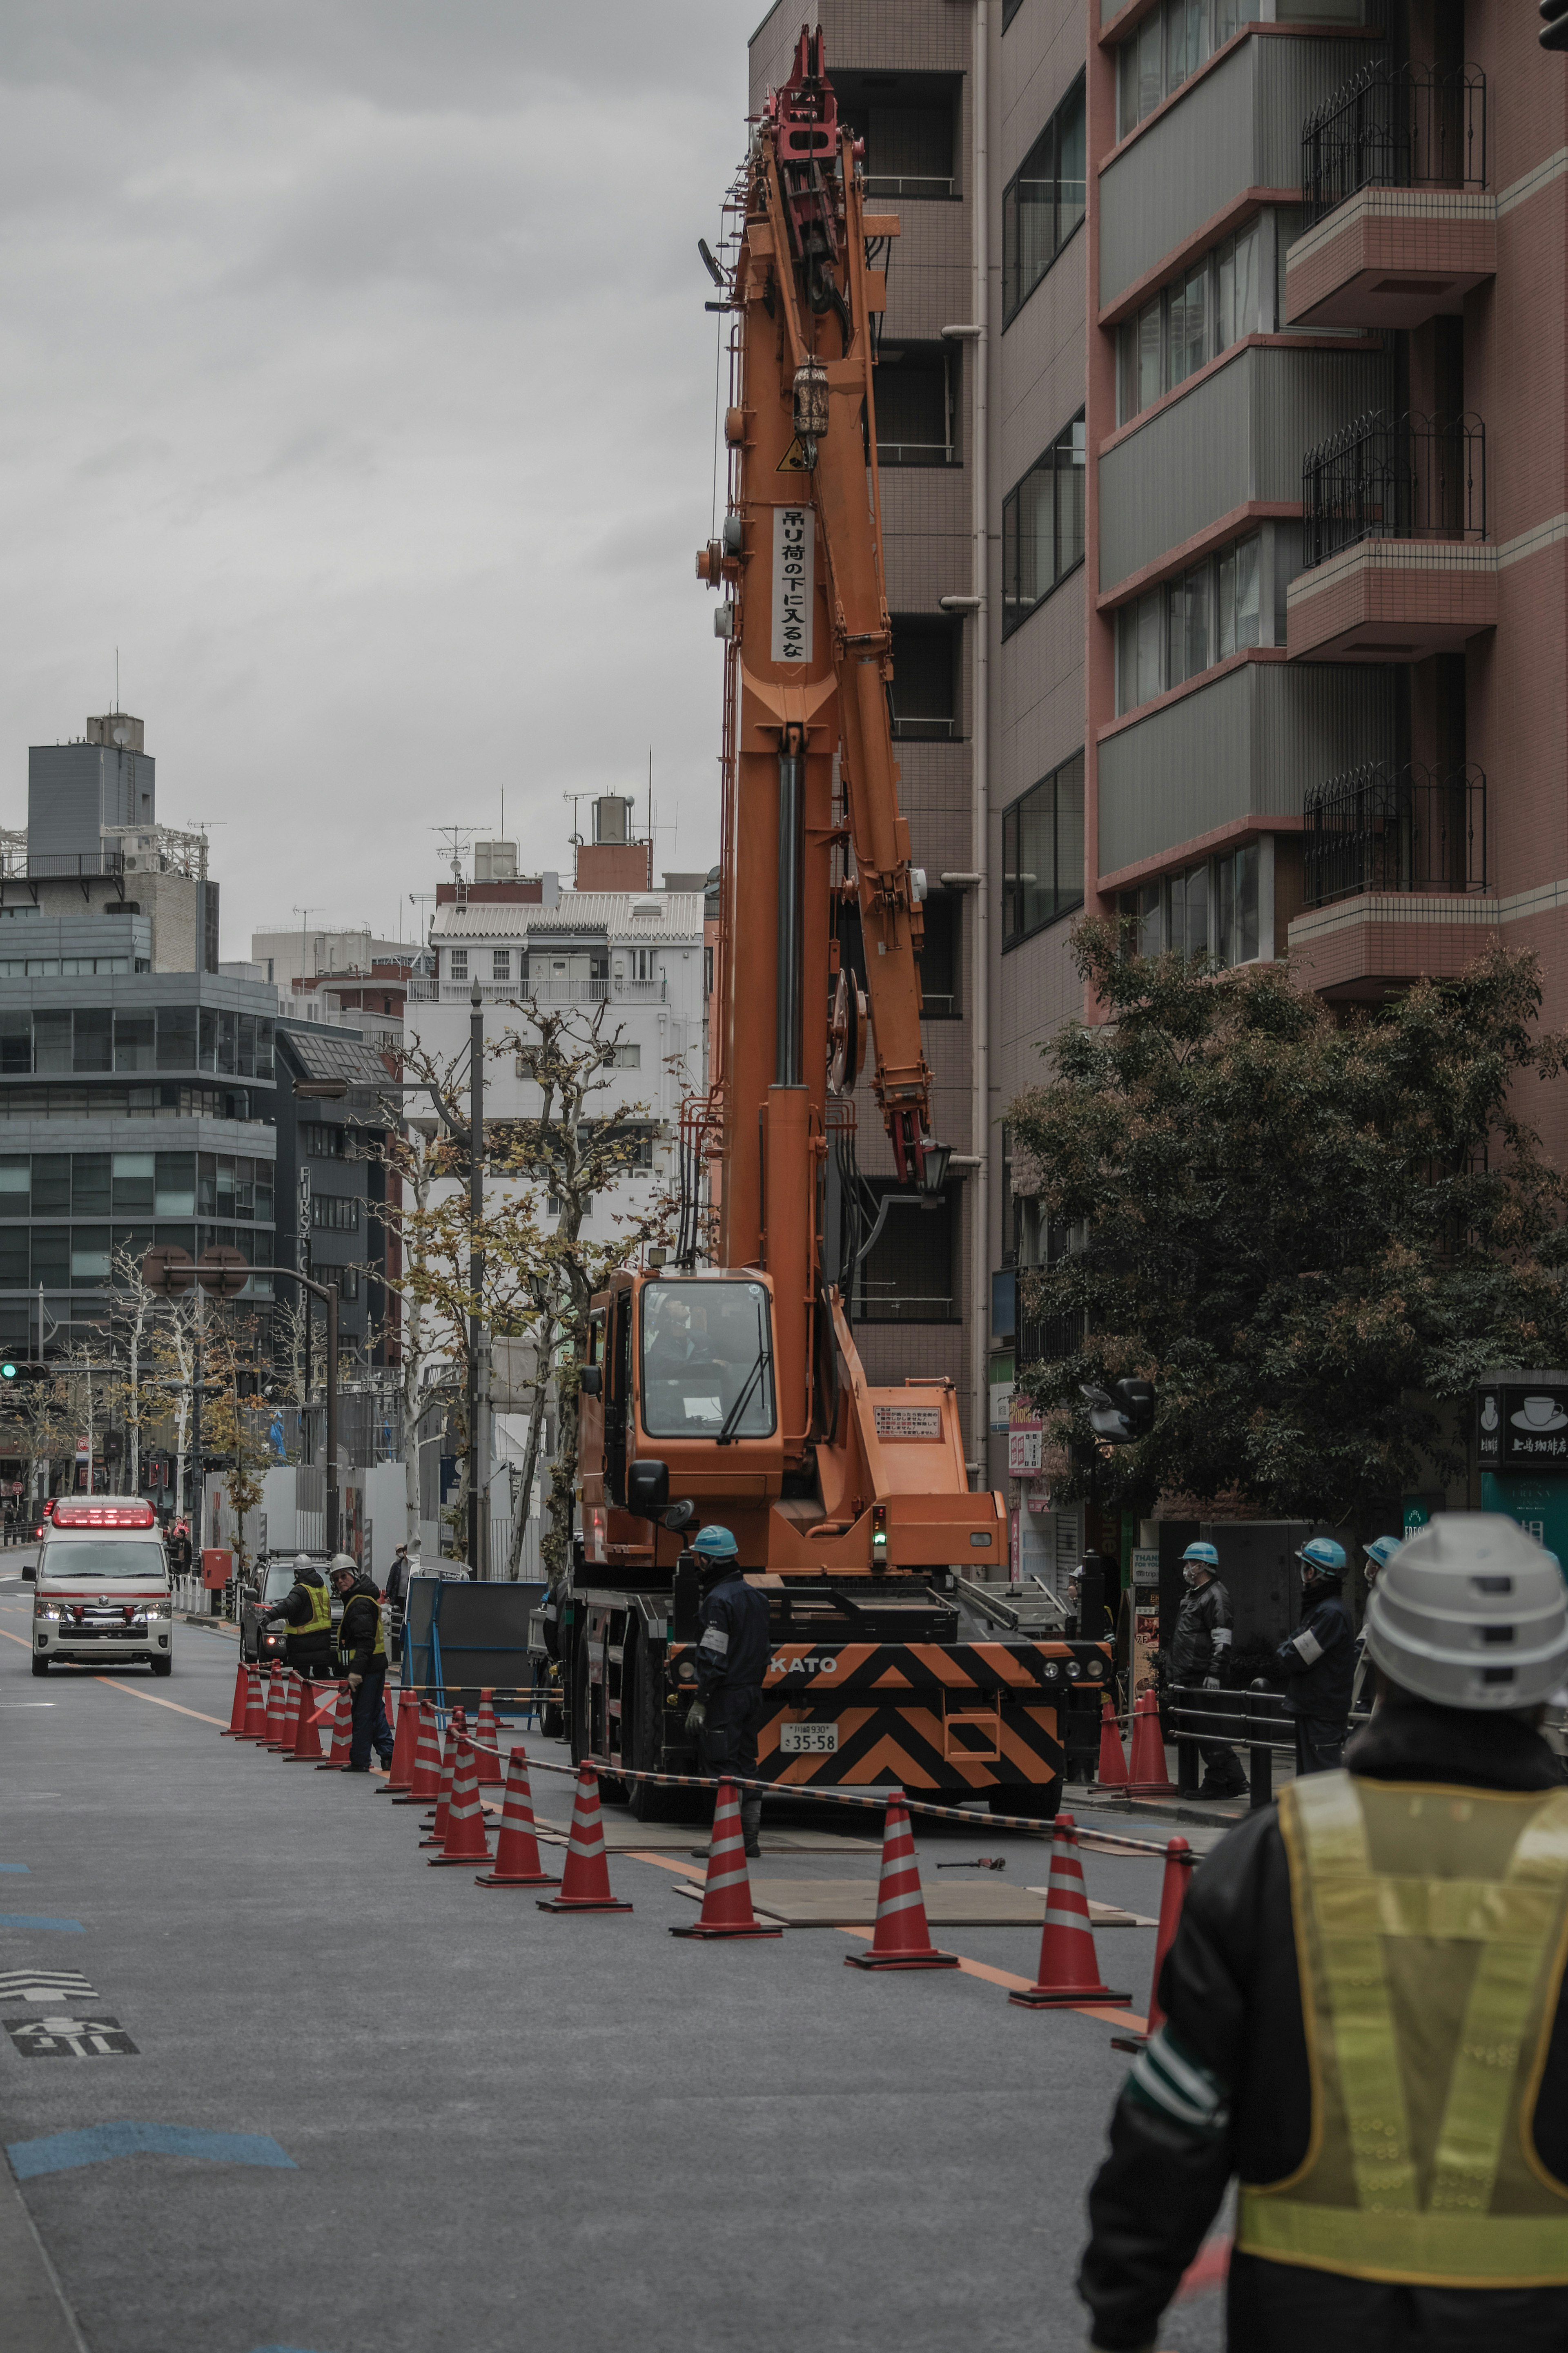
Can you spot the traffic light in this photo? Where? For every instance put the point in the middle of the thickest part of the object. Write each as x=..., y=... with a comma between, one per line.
x=1554, y=23
x=7, y=1371
x=1122, y=1415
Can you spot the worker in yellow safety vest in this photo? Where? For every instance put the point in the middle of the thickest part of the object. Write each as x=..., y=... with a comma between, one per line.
x=307, y=1611
x=361, y=1656
x=1364, y=2008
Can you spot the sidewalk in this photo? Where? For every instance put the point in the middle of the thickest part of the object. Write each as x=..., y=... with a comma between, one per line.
x=34, y=2315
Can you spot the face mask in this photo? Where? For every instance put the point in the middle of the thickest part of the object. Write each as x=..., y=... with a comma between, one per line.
x=1193, y=1575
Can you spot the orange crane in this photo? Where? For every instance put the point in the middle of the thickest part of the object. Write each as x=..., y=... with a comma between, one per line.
x=737, y=1388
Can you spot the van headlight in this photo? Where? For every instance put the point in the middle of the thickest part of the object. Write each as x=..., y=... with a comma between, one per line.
x=164, y=1609
x=52, y=1611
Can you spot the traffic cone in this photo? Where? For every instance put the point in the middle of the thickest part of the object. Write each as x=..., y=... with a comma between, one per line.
x=1179, y=1861
x=586, y=1885
x=1112, y=1772
x=277, y=1698
x=425, y=1781
x=255, y=1708
x=405, y=1739
x=901, y=1939
x=517, y=1860
x=237, y=1708
x=1147, y=1776
x=485, y=1744
x=727, y=1892
x=467, y=1840
x=342, y=1733
x=289, y=1729
x=1069, y=1972
x=457, y=1729
x=316, y=1702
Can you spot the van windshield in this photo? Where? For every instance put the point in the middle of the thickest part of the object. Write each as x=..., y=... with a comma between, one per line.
x=279, y=1582
x=705, y=1348
x=141, y=1560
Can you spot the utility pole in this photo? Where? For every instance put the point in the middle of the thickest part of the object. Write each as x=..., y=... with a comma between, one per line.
x=198, y=1374
x=477, y=1494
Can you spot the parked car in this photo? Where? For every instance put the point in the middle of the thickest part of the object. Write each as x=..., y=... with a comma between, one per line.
x=270, y=1580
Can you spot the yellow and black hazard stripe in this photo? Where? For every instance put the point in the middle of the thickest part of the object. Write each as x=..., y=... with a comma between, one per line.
x=1013, y=1744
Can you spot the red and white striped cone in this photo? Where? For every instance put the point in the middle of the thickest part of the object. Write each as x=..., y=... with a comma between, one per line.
x=236, y=1730
x=316, y=1701
x=277, y=1701
x=487, y=1744
x=1147, y=1775
x=1070, y=1968
x=288, y=1730
x=727, y=1892
x=1112, y=1769
x=586, y=1885
x=466, y=1839
x=901, y=1939
x=517, y=1862
x=405, y=1740
x=1178, y=1878
x=457, y=1729
x=425, y=1782
x=342, y=1733
x=255, y=1707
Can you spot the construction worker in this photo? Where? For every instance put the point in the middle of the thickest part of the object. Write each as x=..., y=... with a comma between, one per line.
x=307, y=1611
x=1200, y=1648
x=1318, y=1661
x=362, y=1657
x=1364, y=2014
x=396, y=1595
x=731, y=1660
x=1376, y=1557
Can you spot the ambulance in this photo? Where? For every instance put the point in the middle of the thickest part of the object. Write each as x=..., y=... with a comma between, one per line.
x=101, y=1586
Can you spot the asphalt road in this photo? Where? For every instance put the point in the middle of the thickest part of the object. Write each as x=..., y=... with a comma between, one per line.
x=484, y=2127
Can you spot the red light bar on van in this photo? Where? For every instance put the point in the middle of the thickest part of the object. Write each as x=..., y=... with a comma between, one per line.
x=104, y=1515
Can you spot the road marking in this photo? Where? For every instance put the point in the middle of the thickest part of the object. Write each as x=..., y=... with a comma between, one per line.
x=69, y=2038
x=38, y=1920
x=134, y=1691
x=44, y=1985
x=13, y=1866
x=99, y=2143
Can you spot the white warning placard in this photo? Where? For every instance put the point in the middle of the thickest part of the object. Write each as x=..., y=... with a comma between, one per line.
x=795, y=539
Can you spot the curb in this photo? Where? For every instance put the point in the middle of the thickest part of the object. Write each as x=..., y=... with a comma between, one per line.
x=35, y=2317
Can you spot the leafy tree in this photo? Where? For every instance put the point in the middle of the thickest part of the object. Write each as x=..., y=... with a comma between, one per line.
x=1311, y=1230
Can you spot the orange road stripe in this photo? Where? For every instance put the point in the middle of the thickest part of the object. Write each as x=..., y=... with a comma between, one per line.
x=134, y=1691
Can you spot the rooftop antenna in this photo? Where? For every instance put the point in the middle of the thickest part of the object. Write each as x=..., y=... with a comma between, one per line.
x=650, y=816
x=574, y=838
x=457, y=838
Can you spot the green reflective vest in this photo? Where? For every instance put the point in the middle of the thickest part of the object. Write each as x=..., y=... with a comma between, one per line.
x=319, y=1621
x=1431, y=1931
x=345, y=1648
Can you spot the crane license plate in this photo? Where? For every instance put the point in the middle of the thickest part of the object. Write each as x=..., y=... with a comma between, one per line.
x=808, y=1739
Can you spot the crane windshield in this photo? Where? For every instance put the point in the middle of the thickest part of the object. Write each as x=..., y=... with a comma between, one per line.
x=707, y=1360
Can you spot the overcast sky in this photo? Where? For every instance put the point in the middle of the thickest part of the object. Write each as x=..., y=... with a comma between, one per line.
x=355, y=382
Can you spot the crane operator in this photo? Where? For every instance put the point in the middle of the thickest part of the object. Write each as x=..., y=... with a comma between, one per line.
x=731, y=1661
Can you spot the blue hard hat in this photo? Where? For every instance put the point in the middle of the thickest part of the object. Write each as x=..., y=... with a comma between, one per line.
x=1324, y=1554
x=1382, y=1550
x=714, y=1544
x=1204, y=1554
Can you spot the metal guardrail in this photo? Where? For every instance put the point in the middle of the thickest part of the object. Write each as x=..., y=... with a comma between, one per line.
x=1381, y=828
x=1386, y=477
x=1254, y=1719
x=1393, y=126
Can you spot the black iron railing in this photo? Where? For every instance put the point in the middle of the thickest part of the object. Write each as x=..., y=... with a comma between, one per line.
x=1047, y=1339
x=1382, y=828
x=1384, y=477
x=1396, y=127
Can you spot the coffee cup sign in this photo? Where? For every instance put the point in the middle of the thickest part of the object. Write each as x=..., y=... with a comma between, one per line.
x=1523, y=1425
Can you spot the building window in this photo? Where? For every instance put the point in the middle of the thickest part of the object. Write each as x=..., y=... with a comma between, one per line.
x=1172, y=41
x=458, y=964
x=335, y=1213
x=908, y=1276
x=925, y=679
x=1042, y=527
x=706, y=972
x=345, y=1277
x=1042, y=853
x=1043, y=203
x=907, y=122
x=1186, y=626
x=320, y=1142
x=917, y=403
x=628, y=1058
x=1207, y=909
x=500, y=965
x=940, y=954
x=1218, y=299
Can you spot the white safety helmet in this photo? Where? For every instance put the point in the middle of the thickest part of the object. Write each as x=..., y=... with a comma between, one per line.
x=1471, y=1612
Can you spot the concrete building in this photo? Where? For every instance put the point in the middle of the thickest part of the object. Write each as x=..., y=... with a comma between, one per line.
x=332, y=1184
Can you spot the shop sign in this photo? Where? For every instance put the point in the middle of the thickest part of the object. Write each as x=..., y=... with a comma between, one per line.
x=1523, y=1425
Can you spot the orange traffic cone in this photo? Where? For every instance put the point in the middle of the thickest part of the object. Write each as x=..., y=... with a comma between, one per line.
x=255, y=1708
x=902, y=1939
x=488, y=1759
x=1179, y=1861
x=277, y=1698
x=517, y=1847
x=315, y=1702
x=457, y=1729
x=1148, y=1777
x=288, y=1730
x=403, y=1741
x=586, y=1886
x=467, y=1840
x=237, y=1709
x=727, y=1893
x=1112, y=1773
x=425, y=1781
x=342, y=1732
x=1069, y=1972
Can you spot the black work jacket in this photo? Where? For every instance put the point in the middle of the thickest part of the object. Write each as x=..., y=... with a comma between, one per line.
x=1231, y=1993
x=360, y=1629
x=732, y=1649
x=1195, y=1652
x=1318, y=1662
x=295, y=1609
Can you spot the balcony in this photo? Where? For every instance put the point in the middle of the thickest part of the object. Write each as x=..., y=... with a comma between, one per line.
x=1400, y=225
x=544, y=990
x=1397, y=563
x=1395, y=880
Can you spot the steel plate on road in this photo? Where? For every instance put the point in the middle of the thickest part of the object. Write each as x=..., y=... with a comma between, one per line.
x=808, y=1739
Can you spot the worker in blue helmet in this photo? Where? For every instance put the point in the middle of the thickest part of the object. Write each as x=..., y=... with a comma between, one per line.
x=1199, y=1653
x=733, y=1651
x=1376, y=1557
x=1318, y=1661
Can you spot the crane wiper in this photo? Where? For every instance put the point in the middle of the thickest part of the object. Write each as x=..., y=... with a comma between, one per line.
x=765, y=1358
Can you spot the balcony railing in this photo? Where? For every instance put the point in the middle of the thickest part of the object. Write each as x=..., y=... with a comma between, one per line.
x=1385, y=476
x=1382, y=828
x=1396, y=127
x=911, y=183
x=74, y=864
x=545, y=989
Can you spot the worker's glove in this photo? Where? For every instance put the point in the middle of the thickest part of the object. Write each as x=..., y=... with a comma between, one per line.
x=695, y=1718
x=1211, y=1682
x=355, y=1682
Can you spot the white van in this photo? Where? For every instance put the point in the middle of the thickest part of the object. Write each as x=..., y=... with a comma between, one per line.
x=104, y=1592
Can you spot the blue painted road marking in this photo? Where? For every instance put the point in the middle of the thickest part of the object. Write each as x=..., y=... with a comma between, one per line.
x=13, y=1866
x=38, y=1920
x=62, y=2152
